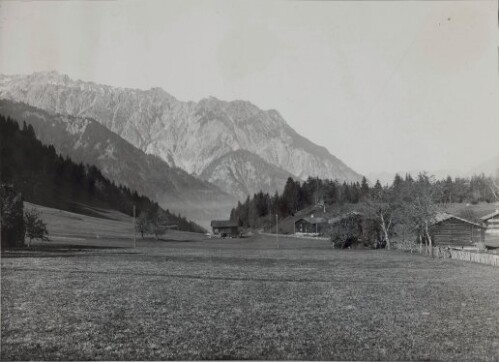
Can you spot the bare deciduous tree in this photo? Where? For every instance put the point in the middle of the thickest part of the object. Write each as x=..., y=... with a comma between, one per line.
x=420, y=212
x=383, y=208
x=143, y=224
x=494, y=187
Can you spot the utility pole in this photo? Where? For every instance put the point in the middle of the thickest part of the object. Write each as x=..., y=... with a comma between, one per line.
x=270, y=214
x=277, y=229
x=134, y=241
x=294, y=221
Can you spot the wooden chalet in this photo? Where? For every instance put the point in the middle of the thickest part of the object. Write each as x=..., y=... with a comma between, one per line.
x=225, y=228
x=451, y=230
x=310, y=225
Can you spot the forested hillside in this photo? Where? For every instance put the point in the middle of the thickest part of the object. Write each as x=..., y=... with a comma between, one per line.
x=85, y=140
x=254, y=212
x=44, y=177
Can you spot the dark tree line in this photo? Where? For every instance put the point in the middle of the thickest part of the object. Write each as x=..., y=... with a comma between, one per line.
x=46, y=178
x=12, y=227
x=470, y=190
x=16, y=223
x=260, y=210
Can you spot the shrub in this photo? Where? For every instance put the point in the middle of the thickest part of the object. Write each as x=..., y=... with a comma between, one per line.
x=34, y=226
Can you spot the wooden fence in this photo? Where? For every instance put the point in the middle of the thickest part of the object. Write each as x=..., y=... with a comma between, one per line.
x=447, y=253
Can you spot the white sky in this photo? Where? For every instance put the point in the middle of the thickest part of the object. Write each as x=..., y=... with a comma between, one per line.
x=385, y=86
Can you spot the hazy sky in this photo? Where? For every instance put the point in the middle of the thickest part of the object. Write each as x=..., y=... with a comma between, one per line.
x=385, y=86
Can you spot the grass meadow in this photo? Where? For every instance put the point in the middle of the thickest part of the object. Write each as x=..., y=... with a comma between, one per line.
x=248, y=298
x=87, y=295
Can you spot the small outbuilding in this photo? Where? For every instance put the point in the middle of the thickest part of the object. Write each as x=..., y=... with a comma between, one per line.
x=225, y=228
x=491, y=223
x=451, y=230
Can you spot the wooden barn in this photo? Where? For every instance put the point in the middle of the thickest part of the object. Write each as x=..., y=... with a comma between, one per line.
x=491, y=222
x=451, y=230
x=310, y=225
x=225, y=228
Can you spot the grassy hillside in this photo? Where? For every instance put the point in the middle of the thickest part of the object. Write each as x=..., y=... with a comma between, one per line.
x=69, y=226
x=105, y=228
x=45, y=178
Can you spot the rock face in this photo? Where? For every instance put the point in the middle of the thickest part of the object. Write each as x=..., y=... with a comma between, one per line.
x=85, y=140
x=189, y=135
x=243, y=173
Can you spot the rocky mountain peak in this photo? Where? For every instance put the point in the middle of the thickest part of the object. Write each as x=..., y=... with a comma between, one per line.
x=189, y=135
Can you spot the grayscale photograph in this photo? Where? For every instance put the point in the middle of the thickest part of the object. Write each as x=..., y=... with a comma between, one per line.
x=249, y=180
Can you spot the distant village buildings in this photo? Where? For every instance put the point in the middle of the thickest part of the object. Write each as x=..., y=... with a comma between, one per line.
x=447, y=230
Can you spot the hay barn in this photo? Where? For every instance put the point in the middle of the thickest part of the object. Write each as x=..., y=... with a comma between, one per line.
x=451, y=230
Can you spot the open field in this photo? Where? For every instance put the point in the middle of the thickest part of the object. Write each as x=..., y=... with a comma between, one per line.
x=245, y=298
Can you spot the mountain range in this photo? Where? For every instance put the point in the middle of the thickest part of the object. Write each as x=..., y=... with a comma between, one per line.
x=193, y=157
x=241, y=173
x=193, y=136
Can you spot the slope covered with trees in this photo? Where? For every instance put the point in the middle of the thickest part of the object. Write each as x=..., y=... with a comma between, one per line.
x=85, y=140
x=408, y=203
x=45, y=178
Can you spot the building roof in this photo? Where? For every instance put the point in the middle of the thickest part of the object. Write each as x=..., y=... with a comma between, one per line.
x=442, y=216
x=490, y=216
x=223, y=224
x=492, y=244
x=313, y=220
x=339, y=218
